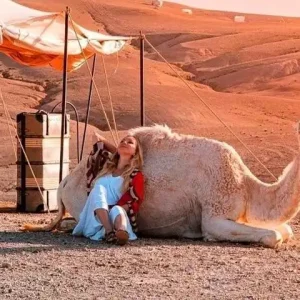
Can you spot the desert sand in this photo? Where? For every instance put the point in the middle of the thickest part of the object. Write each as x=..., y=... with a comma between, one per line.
x=248, y=73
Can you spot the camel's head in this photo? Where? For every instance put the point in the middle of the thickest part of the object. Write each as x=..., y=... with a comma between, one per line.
x=151, y=137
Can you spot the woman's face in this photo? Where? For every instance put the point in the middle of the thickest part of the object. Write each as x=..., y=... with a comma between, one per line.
x=127, y=146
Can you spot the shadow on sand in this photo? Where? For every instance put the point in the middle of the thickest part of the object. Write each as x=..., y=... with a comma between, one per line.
x=34, y=242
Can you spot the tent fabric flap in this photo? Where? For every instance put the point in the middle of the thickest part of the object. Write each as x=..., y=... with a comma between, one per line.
x=36, y=38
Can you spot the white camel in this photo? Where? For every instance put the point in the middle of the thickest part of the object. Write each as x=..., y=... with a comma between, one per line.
x=200, y=188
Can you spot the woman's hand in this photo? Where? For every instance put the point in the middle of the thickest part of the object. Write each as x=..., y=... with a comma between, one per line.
x=98, y=138
x=107, y=145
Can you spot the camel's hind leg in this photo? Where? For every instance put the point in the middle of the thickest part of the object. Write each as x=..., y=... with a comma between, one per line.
x=227, y=230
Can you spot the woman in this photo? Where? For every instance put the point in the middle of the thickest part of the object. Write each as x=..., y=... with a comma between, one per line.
x=112, y=205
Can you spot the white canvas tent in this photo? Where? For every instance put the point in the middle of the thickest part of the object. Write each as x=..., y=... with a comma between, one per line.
x=36, y=38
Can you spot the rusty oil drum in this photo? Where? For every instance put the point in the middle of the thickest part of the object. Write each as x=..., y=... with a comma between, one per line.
x=40, y=136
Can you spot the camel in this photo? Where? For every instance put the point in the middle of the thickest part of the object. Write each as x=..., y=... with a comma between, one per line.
x=199, y=188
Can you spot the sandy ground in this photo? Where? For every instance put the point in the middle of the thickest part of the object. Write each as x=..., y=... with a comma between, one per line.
x=247, y=73
x=57, y=265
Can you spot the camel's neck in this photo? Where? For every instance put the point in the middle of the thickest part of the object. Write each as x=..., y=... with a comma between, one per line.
x=276, y=203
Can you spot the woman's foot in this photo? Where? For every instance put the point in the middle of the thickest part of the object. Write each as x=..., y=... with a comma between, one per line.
x=110, y=237
x=122, y=237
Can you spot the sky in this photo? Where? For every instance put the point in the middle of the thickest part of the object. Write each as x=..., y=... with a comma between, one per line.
x=288, y=8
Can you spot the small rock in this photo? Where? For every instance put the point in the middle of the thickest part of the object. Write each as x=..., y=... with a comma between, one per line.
x=6, y=74
x=39, y=88
x=6, y=265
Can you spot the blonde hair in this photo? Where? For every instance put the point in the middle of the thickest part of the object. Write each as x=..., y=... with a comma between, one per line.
x=136, y=162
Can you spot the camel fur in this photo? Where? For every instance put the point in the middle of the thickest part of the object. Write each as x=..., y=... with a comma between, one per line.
x=199, y=188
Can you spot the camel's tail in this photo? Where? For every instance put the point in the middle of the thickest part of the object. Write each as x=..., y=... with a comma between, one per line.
x=55, y=222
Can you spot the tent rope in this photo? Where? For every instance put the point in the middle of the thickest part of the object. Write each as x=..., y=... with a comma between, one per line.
x=24, y=152
x=8, y=125
x=209, y=108
x=298, y=135
x=116, y=68
x=94, y=84
x=110, y=99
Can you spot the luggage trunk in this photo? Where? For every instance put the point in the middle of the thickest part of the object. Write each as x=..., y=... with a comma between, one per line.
x=40, y=137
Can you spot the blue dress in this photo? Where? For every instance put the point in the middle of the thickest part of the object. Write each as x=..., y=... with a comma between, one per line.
x=106, y=191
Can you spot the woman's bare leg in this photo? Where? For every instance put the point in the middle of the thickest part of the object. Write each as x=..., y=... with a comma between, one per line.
x=102, y=214
x=120, y=222
x=120, y=225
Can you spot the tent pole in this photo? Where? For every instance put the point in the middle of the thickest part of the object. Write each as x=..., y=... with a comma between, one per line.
x=64, y=95
x=88, y=105
x=142, y=104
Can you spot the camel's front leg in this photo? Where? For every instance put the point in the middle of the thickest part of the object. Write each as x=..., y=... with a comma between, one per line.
x=284, y=229
x=227, y=230
x=286, y=232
